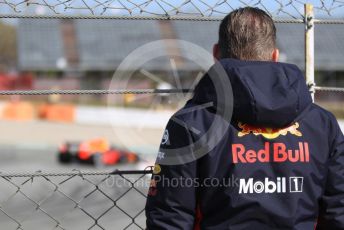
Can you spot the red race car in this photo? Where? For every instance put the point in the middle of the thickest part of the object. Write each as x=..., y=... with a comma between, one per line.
x=95, y=151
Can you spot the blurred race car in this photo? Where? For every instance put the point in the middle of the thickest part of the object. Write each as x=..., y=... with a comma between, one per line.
x=95, y=151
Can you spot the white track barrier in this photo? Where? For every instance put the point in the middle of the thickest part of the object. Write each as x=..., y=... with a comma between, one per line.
x=124, y=117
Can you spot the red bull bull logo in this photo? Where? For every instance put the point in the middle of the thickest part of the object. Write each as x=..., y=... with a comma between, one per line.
x=269, y=133
x=152, y=188
x=272, y=152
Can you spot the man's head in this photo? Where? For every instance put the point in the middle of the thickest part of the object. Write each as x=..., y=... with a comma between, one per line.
x=247, y=34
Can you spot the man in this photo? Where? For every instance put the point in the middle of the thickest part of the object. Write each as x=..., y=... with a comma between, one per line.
x=283, y=155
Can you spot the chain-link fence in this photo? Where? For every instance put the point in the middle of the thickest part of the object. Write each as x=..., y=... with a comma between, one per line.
x=284, y=11
x=74, y=200
x=177, y=9
x=331, y=98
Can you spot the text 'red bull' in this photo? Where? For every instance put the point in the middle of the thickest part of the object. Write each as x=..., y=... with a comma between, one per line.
x=272, y=152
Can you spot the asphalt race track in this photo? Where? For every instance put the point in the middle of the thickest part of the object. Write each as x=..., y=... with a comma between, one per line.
x=29, y=147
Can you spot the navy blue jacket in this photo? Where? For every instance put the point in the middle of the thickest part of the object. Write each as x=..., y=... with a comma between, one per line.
x=278, y=163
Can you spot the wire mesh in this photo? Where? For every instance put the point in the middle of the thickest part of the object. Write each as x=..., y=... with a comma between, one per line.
x=74, y=200
x=331, y=98
x=178, y=9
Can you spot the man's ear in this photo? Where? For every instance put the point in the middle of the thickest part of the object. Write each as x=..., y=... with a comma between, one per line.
x=216, y=52
x=275, y=55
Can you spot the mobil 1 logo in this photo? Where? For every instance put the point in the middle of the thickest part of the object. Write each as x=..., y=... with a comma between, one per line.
x=278, y=185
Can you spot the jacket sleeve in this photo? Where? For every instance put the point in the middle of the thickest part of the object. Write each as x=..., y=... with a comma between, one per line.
x=171, y=200
x=331, y=215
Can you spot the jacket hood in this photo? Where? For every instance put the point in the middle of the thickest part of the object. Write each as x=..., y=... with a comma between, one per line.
x=265, y=94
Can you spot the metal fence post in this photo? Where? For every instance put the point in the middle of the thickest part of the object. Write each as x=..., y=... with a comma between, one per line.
x=309, y=47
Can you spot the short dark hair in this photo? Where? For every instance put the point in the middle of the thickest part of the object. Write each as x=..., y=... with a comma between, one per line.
x=247, y=34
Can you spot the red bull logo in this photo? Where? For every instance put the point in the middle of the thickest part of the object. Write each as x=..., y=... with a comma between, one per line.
x=272, y=152
x=269, y=133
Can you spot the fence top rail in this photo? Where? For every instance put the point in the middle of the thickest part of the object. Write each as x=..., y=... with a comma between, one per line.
x=147, y=170
x=329, y=89
x=93, y=91
x=158, y=18
x=119, y=91
x=138, y=17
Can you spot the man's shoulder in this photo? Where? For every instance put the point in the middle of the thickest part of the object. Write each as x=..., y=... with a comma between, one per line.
x=320, y=116
x=193, y=117
x=322, y=112
x=194, y=113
